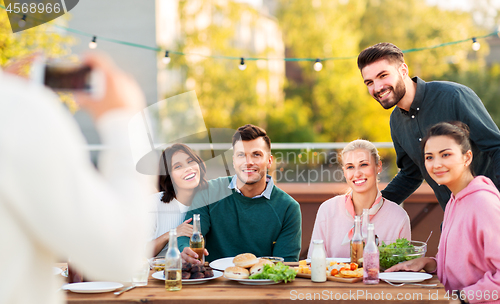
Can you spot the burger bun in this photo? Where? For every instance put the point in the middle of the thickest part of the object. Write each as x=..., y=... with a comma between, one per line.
x=259, y=267
x=236, y=273
x=245, y=260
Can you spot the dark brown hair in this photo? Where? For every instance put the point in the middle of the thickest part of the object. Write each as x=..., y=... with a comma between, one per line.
x=457, y=130
x=165, y=183
x=251, y=132
x=383, y=50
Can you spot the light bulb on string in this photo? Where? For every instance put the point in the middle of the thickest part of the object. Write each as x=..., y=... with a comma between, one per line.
x=318, y=65
x=242, y=65
x=22, y=22
x=475, y=45
x=166, y=59
x=93, y=43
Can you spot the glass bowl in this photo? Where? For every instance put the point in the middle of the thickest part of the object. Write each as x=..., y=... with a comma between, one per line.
x=158, y=264
x=275, y=260
x=391, y=255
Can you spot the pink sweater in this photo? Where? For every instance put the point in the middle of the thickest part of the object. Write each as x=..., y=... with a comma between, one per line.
x=469, y=249
x=333, y=222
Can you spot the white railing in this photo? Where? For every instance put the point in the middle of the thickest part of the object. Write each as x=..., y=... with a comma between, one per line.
x=277, y=146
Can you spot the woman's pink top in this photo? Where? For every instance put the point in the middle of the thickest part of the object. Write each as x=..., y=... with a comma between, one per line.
x=468, y=258
x=333, y=223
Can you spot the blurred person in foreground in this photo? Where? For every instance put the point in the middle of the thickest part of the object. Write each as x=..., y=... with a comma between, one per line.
x=246, y=213
x=182, y=174
x=53, y=202
x=467, y=261
x=420, y=105
x=335, y=218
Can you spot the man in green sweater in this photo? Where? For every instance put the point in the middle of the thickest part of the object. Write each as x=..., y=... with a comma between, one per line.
x=246, y=213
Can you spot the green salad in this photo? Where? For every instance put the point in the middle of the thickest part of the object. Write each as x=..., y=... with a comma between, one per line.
x=399, y=251
x=277, y=272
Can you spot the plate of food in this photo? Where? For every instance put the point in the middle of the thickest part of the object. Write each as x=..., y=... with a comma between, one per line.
x=250, y=270
x=92, y=287
x=404, y=277
x=160, y=275
x=335, y=271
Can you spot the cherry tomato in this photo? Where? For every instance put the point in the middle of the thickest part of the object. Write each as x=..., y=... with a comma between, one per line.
x=354, y=266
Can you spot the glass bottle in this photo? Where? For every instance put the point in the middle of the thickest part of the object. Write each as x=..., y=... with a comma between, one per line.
x=371, y=258
x=173, y=264
x=364, y=224
x=357, y=243
x=318, y=262
x=196, y=242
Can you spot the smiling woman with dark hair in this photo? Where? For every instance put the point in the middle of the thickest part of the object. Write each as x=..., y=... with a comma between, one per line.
x=182, y=173
x=467, y=261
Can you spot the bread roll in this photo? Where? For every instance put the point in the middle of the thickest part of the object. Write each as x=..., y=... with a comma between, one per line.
x=236, y=273
x=259, y=267
x=245, y=260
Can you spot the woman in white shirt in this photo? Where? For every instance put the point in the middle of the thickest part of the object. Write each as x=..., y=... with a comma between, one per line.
x=182, y=173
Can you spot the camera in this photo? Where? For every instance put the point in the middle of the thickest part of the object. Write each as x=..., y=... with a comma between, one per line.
x=68, y=76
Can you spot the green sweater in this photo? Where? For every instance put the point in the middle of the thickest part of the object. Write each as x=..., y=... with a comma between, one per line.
x=234, y=224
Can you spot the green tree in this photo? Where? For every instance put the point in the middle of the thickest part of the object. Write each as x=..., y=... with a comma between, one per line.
x=45, y=38
x=227, y=95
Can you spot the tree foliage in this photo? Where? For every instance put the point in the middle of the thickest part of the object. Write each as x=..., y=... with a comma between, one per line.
x=45, y=38
x=329, y=105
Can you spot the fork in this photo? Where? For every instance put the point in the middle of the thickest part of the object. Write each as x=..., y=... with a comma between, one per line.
x=401, y=284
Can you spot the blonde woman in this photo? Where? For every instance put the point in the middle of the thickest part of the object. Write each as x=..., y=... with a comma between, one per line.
x=335, y=218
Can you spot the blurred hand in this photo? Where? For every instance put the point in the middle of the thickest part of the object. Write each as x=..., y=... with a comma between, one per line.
x=427, y=264
x=121, y=91
x=185, y=229
x=190, y=256
x=20, y=65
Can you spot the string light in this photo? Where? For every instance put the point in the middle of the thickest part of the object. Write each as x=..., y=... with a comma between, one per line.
x=318, y=65
x=166, y=59
x=93, y=43
x=22, y=22
x=475, y=45
x=242, y=66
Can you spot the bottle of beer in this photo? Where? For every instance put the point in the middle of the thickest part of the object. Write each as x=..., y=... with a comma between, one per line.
x=197, y=243
x=357, y=243
x=173, y=264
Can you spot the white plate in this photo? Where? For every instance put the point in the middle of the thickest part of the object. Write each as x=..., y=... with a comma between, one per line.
x=160, y=275
x=338, y=260
x=254, y=282
x=222, y=264
x=92, y=287
x=404, y=277
x=56, y=270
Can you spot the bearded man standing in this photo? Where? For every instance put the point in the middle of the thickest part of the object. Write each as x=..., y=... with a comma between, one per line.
x=420, y=105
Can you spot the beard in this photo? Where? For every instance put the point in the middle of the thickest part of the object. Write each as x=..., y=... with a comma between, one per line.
x=247, y=180
x=398, y=93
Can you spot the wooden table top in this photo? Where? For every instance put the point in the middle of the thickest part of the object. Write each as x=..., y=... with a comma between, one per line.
x=222, y=290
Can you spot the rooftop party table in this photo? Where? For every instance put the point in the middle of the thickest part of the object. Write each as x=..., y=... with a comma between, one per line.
x=222, y=290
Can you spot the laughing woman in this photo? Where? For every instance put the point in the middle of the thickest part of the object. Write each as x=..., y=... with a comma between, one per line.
x=335, y=218
x=468, y=259
x=183, y=174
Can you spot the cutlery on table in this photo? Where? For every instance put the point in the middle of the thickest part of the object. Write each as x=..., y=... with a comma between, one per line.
x=123, y=290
